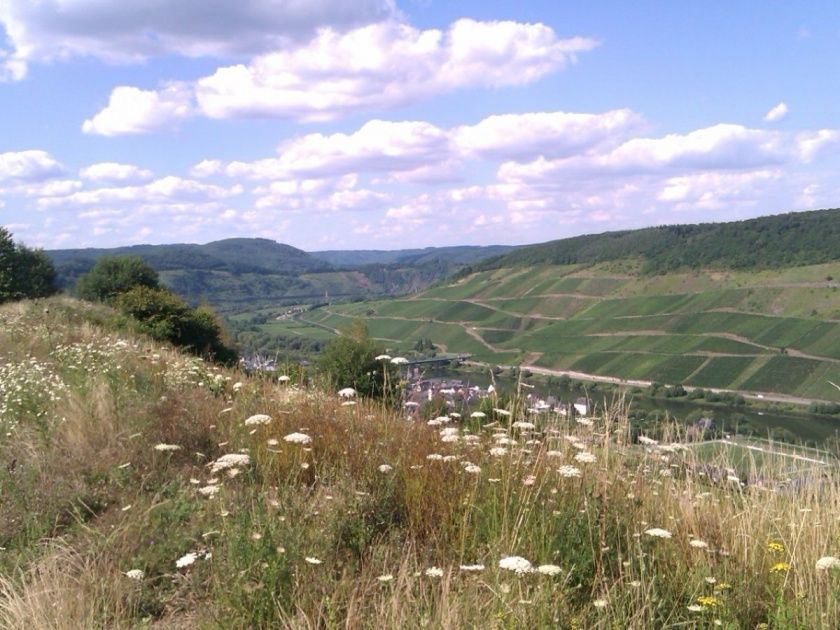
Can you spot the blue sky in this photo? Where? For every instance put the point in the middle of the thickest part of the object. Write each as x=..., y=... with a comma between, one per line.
x=340, y=124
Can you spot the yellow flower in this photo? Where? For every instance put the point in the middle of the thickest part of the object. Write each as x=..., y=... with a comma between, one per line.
x=708, y=601
x=723, y=586
x=775, y=546
x=780, y=567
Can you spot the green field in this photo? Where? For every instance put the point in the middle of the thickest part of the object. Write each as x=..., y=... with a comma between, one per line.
x=750, y=331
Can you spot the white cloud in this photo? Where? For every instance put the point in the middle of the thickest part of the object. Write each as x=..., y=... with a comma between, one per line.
x=28, y=166
x=722, y=146
x=550, y=134
x=130, y=31
x=713, y=190
x=811, y=143
x=131, y=110
x=776, y=113
x=115, y=172
x=380, y=66
x=167, y=189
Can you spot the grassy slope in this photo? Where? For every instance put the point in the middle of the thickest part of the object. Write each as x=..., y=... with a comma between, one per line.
x=710, y=329
x=321, y=536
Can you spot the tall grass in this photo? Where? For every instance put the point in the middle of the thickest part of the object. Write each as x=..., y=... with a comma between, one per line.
x=377, y=521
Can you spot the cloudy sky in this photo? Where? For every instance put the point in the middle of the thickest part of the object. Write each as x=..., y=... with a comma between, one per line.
x=349, y=124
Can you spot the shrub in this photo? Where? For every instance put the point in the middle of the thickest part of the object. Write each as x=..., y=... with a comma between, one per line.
x=24, y=272
x=113, y=275
x=349, y=361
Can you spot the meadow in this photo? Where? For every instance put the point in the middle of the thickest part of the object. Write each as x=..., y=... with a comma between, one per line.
x=144, y=488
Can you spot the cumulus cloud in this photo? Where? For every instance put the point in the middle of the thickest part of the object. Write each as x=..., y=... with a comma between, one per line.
x=169, y=189
x=28, y=166
x=130, y=31
x=380, y=66
x=131, y=110
x=115, y=172
x=776, y=113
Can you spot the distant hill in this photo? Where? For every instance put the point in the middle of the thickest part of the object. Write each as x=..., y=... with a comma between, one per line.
x=458, y=255
x=784, y=240
x=240, y=274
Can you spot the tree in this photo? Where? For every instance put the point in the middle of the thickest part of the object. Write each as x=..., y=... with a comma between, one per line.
x=113, y=275
x=24, y=272
x=163, y=315
x=350, y=361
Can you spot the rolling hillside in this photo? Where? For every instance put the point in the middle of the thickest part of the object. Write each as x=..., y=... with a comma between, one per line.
x=768, y=331
x=245, y=274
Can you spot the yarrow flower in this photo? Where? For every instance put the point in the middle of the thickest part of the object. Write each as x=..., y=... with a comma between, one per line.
x=549, y=569
x=312, y=560
x=569, y=471
x=699, y=544
x=385, y=468
x=297, y=438
x=657, y=532
x=472, y=469
x=231, y=460
x=167, y=447
x=259, y=418
x=186, y=560
x=828, y=562
x=517, y=564
x=585, y=457
x=478, y=414
x=209, y=491
x=135, y=574
x=387, y=577
x=498, y=451
x=643, y=439
x=434, y=572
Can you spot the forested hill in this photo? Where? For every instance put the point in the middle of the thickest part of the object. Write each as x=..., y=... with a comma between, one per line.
x=234, y=255
x=785, y=240
x=457, y=255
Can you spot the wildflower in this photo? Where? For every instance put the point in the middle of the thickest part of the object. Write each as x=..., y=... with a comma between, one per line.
x=584, y=421
x=209, y=491
x=478, y=414
x=699, y=544
x=498, y=451
x=186, y=560
x=585, y=457
x=569, y=471
x=695, y=608
x=780, y=567
x=434, y=457
x=135, y=574
x=312, y=560
x=502, y=412
x=388, y=576
x=600, y=603
x=554, y=453
x=297, y=438
x=471, y=567
x=259, y=418
x=657, y=532
x=774, y=546
x=348, y=403
x=237, y=386
x=231, y=460
x=283, y=378
x=643, y=439
x=450, y=437
x=167, y=447
x=434, y=572
x=709, y=580
x=530, y=480
x=708, y=601
x=399, y=361
x=347, y=392
x=828, y=562
x=548, y=569
x=273, y=442
x=385, y=468
x=471, y=468
x=722, y=586
x=515, y=563
x=382, y=357
x=525, y=426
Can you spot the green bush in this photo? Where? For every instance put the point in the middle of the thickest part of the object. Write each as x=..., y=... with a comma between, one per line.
x=165, y=316
x=350, y=361
x=113, y=275
x=24, y=272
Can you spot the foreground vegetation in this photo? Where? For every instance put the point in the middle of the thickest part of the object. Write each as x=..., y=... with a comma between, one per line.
x=143, y=486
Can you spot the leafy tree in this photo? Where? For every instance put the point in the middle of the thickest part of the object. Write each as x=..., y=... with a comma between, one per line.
x=24, y=272
x=165, y=316
x=349, y=361
x=113, y=275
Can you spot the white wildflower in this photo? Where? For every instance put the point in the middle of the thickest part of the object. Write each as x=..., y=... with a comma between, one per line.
x=399, y=361
x=471, y=567
x=478, y=414
x=312, y=560
x=135, y=574
x=657, y=532
x=498, y=451
x=388, y=576
x=435, y=572
x=698, y=544
x=297, y=438
x=167, y=447
x=569, y=471
x=643, y=439
x=347, y=392
x=585, y=457
x=231, y=460
x=549, y=569
x=209, y=491
x=385, y=468
x=382, y=357
x=186, y=560
x=471, y=468
x=259, y=418
x=515, y=563
x=530, y=480
x=828, y=562
x=525, y=426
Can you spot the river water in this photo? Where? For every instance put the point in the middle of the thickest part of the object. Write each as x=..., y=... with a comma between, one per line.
x=800, y=426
